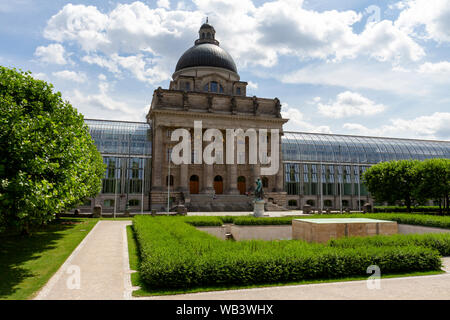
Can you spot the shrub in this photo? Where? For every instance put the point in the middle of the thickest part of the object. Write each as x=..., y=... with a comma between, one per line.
x=176, y=255
x=263, y=221
x=437, y=241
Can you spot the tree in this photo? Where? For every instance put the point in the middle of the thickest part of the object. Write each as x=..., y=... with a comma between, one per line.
x=392, y=181
x=49, y=162
x=434, y=181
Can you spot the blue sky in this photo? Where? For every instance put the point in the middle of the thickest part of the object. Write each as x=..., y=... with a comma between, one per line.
x=377, y=68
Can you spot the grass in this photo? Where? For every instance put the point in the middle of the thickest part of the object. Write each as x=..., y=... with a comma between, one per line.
x=27, y=263
x=145, y=290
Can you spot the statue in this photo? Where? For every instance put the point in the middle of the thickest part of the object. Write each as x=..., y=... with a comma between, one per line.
x=233, y=105
x=159, y=96
x=277, y=108
x=259, y=193
x=210, y=103
x=185, y=101
x=255, y=105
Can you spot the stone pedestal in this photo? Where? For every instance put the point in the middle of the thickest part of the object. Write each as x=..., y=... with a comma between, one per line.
x=322, y=230
x=97, y=213
x=258, y=208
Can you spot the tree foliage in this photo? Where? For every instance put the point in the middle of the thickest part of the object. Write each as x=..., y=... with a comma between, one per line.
x=409, y=181
x=49, y=162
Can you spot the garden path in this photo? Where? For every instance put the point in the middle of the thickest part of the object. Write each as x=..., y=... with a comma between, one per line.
x=98, y=269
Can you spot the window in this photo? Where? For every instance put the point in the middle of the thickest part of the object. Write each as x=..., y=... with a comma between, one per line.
x=328, y=203
x=345, y=203
x=169, y=153
x=265, y=182
x=108, y=203
x=310, y=203
x=171, y=180
x=169, y=133
x=206, y=87
x=238, y=91
x=292, y=203
x=133, y=203
x=87, y=203
x=187, y=86
x=214, y=86
x=220, y=89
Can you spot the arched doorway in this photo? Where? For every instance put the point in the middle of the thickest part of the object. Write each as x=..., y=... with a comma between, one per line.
x=218, y=184
x=193, y=184
x=241, y=185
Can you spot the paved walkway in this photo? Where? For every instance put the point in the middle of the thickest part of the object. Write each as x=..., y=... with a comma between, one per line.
x=101, y=261
x=435, y=287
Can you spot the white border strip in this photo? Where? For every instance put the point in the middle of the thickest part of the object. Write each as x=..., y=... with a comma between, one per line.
x=127, y=293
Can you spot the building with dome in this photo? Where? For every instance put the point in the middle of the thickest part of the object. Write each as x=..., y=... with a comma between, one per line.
x=321, y=170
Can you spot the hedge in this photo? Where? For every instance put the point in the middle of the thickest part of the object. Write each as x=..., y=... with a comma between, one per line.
x=437, y=241
x=398, y=209
x=405, y=218
x=176, y=255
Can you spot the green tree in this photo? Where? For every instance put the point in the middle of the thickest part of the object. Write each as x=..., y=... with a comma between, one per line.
x=434, y=182
x=392, y=181
x=49, y=162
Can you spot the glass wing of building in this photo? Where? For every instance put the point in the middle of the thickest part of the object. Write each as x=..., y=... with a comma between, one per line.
x=121, y=137
x=331, y=148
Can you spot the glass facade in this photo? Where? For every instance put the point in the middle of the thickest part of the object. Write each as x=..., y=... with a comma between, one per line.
x=314, y=147
x=126, y=148
x=325, y=169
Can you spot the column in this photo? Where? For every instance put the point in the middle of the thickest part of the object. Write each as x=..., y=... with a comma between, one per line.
x=157, y=161
x=232, y=179
x=208, y=171
x=279, y=178
x=256, y=173
x=184, y=181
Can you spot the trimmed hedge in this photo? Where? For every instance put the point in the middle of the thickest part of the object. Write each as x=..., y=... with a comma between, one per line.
x=176, y=255
x=399, y=209
x=437, y=241
x=405, y=218
x=246, y=221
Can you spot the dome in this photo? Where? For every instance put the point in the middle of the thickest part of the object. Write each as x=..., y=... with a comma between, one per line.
x=206, y=55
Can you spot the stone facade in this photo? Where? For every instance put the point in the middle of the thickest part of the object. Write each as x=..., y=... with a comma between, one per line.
x=216, y=97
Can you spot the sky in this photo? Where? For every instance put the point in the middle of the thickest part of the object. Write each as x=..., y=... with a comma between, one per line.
x=373, y=68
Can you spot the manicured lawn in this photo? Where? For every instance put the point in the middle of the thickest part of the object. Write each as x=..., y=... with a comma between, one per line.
x=27, y=263
x=187, y=249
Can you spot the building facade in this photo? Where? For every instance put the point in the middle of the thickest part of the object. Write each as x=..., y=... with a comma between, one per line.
x=317, y=169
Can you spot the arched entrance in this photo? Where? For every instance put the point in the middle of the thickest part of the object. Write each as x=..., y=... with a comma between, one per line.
x=193, y=184
x=218, y=184
x=241, y=185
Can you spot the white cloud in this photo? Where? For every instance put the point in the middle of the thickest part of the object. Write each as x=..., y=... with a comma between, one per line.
x=349, y=104
x=358, y=74
x=258, y=35
x=297, y=121
x=434, y=126
x=163, y=4
x=102, y=101
x=53, y=53
x=71, y=76
x=427, y=19
x=442, y=67
x=252, y=85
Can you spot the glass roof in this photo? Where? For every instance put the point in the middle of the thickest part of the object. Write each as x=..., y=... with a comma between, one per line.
x=133, y=138
x=316, y=147
x=120, y=137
